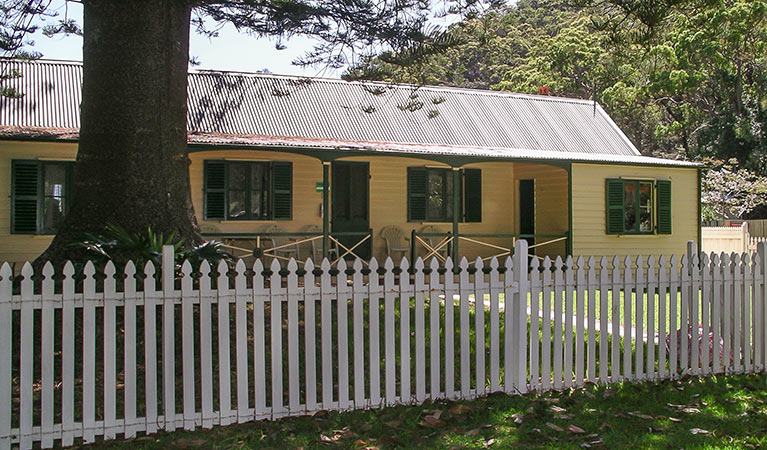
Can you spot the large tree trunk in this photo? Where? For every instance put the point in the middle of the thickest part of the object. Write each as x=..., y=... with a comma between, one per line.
x=132, y=167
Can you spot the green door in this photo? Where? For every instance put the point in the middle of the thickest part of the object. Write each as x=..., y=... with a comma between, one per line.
x=527, y=210
x=350, y=212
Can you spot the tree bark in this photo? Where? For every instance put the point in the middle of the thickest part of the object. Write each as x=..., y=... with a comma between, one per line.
x=132, y=167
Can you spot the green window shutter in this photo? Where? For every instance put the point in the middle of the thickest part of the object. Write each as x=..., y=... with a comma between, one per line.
x=215, y=190
x=417, y=179
x=614, y=196
x=663, y=190
x=25, y=196
x=282, y=190
x=472, y=195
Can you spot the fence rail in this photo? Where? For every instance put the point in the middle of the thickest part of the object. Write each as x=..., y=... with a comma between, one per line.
x=113, y=357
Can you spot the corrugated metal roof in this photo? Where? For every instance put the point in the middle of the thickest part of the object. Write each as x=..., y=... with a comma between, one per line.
x=283, y=110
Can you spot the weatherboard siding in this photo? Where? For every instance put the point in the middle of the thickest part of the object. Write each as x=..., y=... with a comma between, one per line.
x=589, y=230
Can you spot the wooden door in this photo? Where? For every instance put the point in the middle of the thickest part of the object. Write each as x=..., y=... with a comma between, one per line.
x=350, y=186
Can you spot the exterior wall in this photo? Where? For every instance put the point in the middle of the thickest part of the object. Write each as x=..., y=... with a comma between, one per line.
x=17, y=248
x=550, y=204
x=388, y=198
x=588, y=197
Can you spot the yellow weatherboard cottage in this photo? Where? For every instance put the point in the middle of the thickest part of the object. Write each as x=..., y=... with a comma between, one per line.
x=301, y=167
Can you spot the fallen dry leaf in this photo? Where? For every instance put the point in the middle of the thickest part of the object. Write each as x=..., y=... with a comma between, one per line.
x=459, y=409
x=432, y=421
x=554, y=426
x=473, y=432
x=575, y=429
x=641, y=416
x=557, y=409
x=691, y=410
x=324, y=438
x=699, y=431
x=489, y=443
x=674, y=419
x=517, y=418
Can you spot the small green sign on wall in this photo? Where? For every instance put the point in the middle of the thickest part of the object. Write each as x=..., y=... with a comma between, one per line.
x=319, y=187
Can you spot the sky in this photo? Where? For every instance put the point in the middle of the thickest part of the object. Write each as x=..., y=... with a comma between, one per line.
x=230, y=51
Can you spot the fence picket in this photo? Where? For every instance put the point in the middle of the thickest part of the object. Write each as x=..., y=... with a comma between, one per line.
x=592, y=313
x=546, y=326
x=569, y=289
x=652, y=287
x=640, y=291
x=604, y=288
x=663, y=294
x=705, y=312
x=580, y=318
x=131, y=426
x=495, y=339
x=763, y=300
x=615, y=305
x=343, y=296
x=405, y=294
x=6, y=354
x=451, y=291
x=276, y=294
x=110, y=350
x=150, y=348
x=479, y=288
x=206, y=349
x=293, y=384
x=168, y=338
x=89, y=348
x=359, y=347
x=311, y=295
x=464, y=325
x=434, y=347
x=374, y=350
x=420, y=333
x=534, y=339
x=673, y=353
x=695, y=340
x=737, y=313
x=187, y=344
x=241, y=343
x=748, y=282
x=27, y=348
x=46, y=357
x=559, y=285
x=390, y=381
x=757, y=325
x=628, y=289
x=716, y=317
x=224, y=366
x=727, y=313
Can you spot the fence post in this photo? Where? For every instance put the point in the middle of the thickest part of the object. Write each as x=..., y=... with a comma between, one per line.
x=762, y=254
x=6, y=277
x=520, y=314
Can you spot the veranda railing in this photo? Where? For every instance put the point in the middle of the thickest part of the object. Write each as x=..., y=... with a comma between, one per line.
x=122, y=355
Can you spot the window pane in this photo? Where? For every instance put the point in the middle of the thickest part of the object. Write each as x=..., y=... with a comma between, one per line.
x=259, y=194
x=629, y=206
x=257, y=204
x=435, y=206
x=55, y=177
x=645, y=206
x=238, y=176
x=237, y=204
x=53, y=213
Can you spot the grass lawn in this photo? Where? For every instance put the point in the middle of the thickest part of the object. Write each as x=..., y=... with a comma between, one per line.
x=723, y=412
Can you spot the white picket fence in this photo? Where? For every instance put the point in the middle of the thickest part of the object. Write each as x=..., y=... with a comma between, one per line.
x=114, y=358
